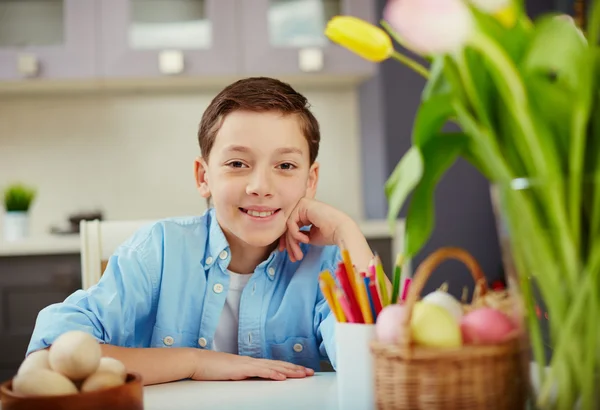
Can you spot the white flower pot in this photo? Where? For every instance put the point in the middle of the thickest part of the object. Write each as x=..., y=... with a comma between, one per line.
x=15, y=226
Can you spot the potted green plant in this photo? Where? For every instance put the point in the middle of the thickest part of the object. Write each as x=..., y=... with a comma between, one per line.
x=17, y=202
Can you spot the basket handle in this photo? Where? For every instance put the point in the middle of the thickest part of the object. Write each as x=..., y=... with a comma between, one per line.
x=424, y=272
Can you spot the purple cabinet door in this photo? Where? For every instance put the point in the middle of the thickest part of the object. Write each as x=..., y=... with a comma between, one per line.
x=277, y=34
x=48, y=39
x=154, y=38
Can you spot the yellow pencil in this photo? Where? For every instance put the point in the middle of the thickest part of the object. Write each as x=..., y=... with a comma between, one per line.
x=358, y=286
x=326, y=281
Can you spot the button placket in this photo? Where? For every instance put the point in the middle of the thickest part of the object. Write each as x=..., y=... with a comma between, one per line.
x=168, y=341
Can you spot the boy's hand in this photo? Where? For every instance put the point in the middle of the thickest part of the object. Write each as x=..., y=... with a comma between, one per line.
x=212, y=365
x=327, y=224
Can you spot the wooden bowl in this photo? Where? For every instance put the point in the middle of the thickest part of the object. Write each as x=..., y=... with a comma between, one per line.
x=127, y=396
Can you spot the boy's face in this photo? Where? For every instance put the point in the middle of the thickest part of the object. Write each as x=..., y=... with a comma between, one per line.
x=257, y=171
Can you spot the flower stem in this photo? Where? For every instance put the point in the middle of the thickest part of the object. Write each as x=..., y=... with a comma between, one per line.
x=420, y=69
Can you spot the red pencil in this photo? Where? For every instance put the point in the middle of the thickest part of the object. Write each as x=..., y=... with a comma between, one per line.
x=342, y=276
x=374, y=294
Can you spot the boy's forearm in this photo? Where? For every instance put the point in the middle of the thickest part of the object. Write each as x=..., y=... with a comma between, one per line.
x=156, y=365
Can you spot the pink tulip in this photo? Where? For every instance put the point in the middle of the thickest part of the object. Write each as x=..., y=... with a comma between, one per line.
x=430, y=26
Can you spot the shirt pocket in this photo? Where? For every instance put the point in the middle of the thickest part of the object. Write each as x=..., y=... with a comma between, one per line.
x=302, y=351
x=172, y=338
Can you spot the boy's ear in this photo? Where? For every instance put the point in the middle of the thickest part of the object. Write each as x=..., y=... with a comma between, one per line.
x=313, y=180
x=200, y=173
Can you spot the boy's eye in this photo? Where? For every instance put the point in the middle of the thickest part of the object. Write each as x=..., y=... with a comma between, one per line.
x=287, y=166
x=236, y=164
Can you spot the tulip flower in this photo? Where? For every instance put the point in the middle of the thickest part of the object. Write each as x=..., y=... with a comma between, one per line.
x=368, y=41
x=431, y=26
x=503, y=10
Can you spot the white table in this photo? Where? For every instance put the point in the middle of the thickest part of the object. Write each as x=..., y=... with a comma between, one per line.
x=316, y=392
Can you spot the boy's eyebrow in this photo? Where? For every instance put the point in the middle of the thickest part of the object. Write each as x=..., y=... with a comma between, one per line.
x=289, y=150
x=280, y=151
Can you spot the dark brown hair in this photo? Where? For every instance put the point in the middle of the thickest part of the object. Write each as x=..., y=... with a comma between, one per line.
x=258, y=94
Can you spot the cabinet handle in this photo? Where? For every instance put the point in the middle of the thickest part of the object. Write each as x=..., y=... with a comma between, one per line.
x=28, y=65
x=170, y=62
x=310, y=59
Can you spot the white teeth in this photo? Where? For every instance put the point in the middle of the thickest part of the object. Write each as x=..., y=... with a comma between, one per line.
x=260, y=214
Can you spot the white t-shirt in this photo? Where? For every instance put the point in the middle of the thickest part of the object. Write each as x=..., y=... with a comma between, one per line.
x=226, y=335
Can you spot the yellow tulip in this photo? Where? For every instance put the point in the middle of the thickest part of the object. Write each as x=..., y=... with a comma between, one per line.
x=507, y=16
x=363, y=38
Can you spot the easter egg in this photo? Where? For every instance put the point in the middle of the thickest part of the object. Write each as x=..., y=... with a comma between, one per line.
x=43, y=382
x=388, y=325
x=101, y=381
x=434, y=326
x=446, y=301
x=75, y=354
x=35, y=360
x=486, y=326
x=111, y=365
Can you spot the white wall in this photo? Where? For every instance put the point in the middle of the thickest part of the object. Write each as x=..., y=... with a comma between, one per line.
x=131, y=155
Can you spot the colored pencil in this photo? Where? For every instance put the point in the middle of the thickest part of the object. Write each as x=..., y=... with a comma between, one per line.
x=382, y=287
x=374, y=294
x=397, y=274
x=343, y=279
x=328, y=286
x=363, y=299
x=367, y=282
x=358, y=286
x=405, y=288
x=345, y=304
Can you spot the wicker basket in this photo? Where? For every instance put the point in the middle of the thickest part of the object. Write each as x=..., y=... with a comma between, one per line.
x=482, y=377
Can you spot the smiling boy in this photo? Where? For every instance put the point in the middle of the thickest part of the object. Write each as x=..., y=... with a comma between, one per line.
x=233, y=293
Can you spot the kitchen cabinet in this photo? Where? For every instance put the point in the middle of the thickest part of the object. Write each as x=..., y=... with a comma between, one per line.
x=286, y=37
x=154, y=38
x=101, y=42
x=27, y=285
x=47, y=39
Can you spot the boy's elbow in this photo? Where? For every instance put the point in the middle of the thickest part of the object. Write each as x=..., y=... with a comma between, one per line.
x=57, y=319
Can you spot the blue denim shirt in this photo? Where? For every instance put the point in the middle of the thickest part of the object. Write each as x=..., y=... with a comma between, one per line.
x=166, y=287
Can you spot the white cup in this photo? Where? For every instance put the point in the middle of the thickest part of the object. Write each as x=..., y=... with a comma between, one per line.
x=354, y=367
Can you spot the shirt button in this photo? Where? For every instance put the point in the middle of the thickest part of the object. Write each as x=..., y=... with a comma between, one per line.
x=168, y=340
x=223, y=255
x=218, y=288
x=298, y=348
x=271, y=271
x=209, y=260
x=202, y=342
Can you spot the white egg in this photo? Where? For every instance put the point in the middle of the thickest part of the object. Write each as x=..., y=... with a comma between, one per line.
x=101, y=381
x=43, y=382
x=35, y=360
x=446, y=301
x=75, y=354
x=112, y=365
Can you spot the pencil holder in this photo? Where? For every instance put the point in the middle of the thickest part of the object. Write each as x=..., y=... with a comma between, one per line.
x=469, y=377
x=354, y=366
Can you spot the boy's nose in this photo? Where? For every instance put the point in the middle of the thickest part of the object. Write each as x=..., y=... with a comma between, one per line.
x=259, y=185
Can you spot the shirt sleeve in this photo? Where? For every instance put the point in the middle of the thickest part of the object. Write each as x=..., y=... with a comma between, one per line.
x=324, y=319
x=115, y=310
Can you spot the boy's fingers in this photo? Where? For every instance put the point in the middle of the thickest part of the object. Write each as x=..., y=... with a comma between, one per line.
x=267, y=373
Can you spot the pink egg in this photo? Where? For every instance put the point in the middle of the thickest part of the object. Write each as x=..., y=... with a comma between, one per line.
x=387, y=328
x=485, y=326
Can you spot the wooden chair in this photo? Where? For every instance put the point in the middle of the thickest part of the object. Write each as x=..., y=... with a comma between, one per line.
x=99, y=239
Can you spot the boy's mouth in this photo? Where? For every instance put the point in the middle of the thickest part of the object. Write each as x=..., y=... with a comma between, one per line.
x=260, y=214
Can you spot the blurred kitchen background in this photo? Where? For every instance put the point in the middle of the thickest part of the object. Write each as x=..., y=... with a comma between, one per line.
x=100, y=102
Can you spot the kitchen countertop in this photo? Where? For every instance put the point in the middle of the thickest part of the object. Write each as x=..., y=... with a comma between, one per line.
x=317, y=392
x=67, y=244
x=42, y=245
